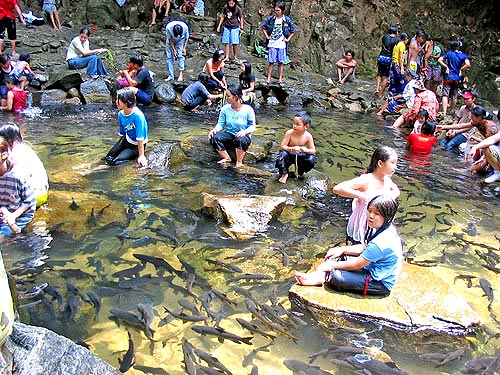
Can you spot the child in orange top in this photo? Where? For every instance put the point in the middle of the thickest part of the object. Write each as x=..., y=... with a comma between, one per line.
x=422, y=143
x=297, y=147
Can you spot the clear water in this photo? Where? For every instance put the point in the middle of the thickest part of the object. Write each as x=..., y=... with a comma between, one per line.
x=64, y=245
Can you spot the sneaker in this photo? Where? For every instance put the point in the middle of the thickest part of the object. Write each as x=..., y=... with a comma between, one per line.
x=493, y=178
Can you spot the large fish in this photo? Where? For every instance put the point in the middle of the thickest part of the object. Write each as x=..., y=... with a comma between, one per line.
x=211, y=360
x=146, y=314
x=303, y=367
x=189, y=359
x=95, y=301
x=254, y=328
x=128, y=359
x=222, y=334
x=488, y=290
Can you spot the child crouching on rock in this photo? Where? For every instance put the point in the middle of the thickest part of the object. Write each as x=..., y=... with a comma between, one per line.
x=297, y=148
x=372, y=267
x=132, y=129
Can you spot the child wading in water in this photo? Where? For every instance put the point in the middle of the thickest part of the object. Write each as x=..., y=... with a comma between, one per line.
x=297, y=147
x=17, y=199
x=376, y=181
x=372, y=267
x=132, y=129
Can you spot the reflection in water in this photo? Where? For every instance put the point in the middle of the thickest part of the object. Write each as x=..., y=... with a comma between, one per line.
x=447, y=220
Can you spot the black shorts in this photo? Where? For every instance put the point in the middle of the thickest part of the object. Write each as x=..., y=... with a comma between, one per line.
x=8, y=24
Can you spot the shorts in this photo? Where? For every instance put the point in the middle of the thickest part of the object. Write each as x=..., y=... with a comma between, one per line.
x=494, y=151
x=49, y=8
x=3, y=91
x=8, y=24
x=413, y=66
x=383, y=69
x=276, y=55
x=450, y=88
x=231, y=36
x=433, y=74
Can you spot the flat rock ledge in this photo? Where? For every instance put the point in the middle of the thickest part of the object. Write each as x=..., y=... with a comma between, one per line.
x=37, y=350
x=420, y=302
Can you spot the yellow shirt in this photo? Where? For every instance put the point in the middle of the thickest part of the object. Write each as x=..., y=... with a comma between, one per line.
x=398, y=49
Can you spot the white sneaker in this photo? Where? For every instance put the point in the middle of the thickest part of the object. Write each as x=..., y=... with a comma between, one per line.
x=493, y=178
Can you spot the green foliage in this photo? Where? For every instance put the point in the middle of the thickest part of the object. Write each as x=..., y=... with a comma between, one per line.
x=109, y=59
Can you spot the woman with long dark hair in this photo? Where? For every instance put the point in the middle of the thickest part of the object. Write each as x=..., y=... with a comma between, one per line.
x=234, y=128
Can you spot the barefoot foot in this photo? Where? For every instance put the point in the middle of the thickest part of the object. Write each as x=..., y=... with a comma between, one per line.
x=223, y=161
x=283, y=179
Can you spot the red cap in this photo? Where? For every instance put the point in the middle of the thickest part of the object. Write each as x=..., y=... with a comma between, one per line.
x=468, y=95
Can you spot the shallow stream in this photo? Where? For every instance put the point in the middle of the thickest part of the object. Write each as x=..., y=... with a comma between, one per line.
x=440, y=203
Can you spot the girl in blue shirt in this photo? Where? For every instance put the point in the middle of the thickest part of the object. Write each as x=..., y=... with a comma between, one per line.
x=234, y=128
x=369, y=268
x=132, y=130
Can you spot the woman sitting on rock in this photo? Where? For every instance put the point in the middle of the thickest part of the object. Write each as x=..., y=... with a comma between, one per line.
x=234, y=128
x=80, y=55
x=214, y=67
x=368, y=268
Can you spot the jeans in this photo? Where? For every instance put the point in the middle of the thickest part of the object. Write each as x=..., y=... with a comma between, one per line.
x=180, y=57
x=456, y=141
x=92, y=62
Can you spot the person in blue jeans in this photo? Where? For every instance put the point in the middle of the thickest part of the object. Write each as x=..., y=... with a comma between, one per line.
x=80, y=55
x=177, y=40
x=455, y=137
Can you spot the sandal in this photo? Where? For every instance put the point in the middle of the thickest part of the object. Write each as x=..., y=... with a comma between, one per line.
x=267, y=83
x=281, y=83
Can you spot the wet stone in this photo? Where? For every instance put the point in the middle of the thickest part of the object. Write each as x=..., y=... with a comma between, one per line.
x=420, y=301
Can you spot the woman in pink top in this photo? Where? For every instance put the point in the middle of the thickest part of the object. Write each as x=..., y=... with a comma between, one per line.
x=376, y=181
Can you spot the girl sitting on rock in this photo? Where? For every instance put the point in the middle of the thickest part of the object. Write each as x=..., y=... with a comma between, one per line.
x=368, y=268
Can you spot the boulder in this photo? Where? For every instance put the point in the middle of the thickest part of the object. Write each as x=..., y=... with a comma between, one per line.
x=60, y=77
x=242, y=216
x=420, y=301
x=95, y=91
x=313, y=184
x=162, y=155
x=49, y=97
x=37, y=350
x=165, y=93
x=199, y=149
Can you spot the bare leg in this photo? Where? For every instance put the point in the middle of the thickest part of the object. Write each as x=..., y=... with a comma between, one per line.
x=444, y=102
x=13, y=48
x=153, y=17
x=240, y=154
x=226, y=47
x=1, y=45
x=280, y=72
x=58, y=21
x=269, y=72
x=225, y=157
x=384, y=107
x=311, y=279
x=339, y=72
x=283, y=178
x=399, y=122
x=235, y=51
x=379, y=81
x=382, y=87
x=453, y=103
x=181, y=76
x=347, y=75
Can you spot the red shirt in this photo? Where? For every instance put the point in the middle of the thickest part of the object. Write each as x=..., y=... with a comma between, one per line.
x=421, y=143
x=7, y=9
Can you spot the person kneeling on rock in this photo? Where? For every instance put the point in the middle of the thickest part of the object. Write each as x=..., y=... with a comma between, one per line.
x=132, y=130
x=372, y=267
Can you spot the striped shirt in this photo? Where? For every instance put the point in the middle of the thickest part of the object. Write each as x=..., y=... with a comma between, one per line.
x=15, y=192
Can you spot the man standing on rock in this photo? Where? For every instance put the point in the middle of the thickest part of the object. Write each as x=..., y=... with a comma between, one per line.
x=8, y=22
x=278, y=29
x=142, y=84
